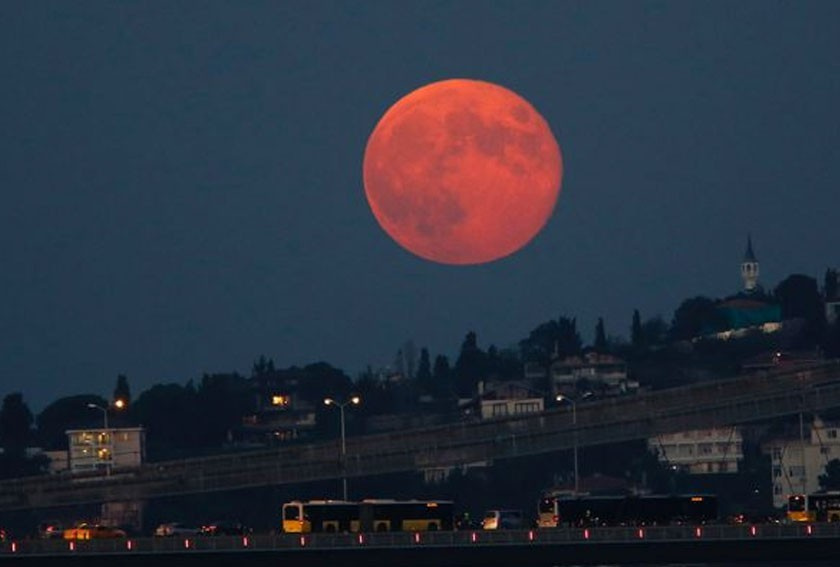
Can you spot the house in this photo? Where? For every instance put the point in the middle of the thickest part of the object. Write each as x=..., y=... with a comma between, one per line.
x=279, y=416
x=798, y=458
x=502, y=399
x=703, y=451
x=105, y=449
x=594, y=371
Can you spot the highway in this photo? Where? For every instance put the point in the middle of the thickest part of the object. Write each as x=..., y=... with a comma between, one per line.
x=753, y=398
x=536, y=548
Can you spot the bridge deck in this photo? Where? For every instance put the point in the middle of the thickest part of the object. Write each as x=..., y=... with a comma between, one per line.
x=564, y=546
x=711, y=404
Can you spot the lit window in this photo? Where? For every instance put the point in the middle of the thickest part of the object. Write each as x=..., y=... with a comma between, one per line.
x=279, y=400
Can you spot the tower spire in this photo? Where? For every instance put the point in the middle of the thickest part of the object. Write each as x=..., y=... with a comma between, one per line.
x=749, y=268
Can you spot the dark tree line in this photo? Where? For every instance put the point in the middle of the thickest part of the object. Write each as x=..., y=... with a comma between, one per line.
x=196, y=416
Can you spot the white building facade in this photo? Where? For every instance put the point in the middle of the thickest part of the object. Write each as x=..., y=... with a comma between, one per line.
x=797, y=462
x=103, y=449
x=702, y=451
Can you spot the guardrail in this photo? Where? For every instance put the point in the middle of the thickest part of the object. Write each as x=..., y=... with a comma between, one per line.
x=594, y=536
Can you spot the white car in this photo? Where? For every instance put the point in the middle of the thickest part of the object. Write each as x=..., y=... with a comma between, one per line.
x=172, y=529
x=503, y=520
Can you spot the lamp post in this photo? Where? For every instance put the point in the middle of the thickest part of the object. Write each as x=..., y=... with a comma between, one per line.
x=562, y=398
x=108, y=435
x=354, y=401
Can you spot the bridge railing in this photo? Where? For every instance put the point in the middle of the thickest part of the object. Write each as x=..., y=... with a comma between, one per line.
x=554, y=536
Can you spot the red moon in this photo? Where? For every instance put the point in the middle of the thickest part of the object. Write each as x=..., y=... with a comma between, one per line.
x=462, y=172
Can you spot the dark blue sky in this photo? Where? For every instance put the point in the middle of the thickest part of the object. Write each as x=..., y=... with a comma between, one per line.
x=180, y=182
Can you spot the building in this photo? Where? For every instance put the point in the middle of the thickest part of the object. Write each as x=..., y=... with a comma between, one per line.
x=59, y=461
x=704, y=451
x=749, y=311
x=798, y=458
x=279, y=417
x=749, y=269
x=105, y=449
x=502, y=399
x=593, y=371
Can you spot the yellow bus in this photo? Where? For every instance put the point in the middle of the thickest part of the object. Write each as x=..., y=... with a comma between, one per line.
x=334, y=516
x=816, y=507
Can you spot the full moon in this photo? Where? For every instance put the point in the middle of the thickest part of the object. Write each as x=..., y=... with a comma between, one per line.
x=462, y=172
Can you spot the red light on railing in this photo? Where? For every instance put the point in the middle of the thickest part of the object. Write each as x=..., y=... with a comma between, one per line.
x=586, y=533
x=361, y=539
x=641, y=533
x=14, y=547
x=128, y=545
x=302, y=541
x=416, y=537
x=187, y=544
x=245, y=541
x=72, y=546
x=474, y=537
x=753, y=530
x=809, y=530
x=698, y=532
x=531, y=535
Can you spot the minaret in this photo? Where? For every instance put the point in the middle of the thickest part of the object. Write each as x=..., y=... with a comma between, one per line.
x=749, y=268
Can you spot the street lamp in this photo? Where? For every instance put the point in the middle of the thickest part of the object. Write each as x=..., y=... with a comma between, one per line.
x=354, y=401
x=109, y=448
x=573, y=403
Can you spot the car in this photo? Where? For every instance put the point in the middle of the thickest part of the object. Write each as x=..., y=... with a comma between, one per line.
x=502, y=520
x=50, y=530
x=93, y=531
x=172, y=529
x=223, y=528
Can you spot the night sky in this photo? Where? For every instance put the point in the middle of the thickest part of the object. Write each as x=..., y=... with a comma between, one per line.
x=181, y=182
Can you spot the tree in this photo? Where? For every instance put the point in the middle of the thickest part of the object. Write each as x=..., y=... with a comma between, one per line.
x=442, y=377
x=503, y=364
x=830, y=285
x=551, y=339
x=636, y=330
x=470, y=367
x=600, y=336
x=15, y=425
x=831, y=344
x=424, y=372
x=696, y=316
x=321, y=380
x=799, y=298
x=169, y=414
x=122, y=391
x=654, y=331
x=262, y=367
x=831, y=479
x=15, y=436
x=406, y=361
x=71, y=412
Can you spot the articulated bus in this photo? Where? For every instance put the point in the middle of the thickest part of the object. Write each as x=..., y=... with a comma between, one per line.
x=647, y=510
x=333, y=516
x=817, y=507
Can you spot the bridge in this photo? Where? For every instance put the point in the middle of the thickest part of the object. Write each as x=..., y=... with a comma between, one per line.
x=753, y=398
x=766, y=543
